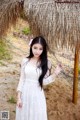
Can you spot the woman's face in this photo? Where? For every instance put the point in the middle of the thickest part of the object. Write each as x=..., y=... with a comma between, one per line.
x=37, y=49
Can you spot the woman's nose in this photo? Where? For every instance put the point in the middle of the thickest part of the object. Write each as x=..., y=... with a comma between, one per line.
x=37, y=51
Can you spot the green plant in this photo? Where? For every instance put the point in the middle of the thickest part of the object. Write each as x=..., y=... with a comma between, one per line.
x=13, y=111
x=1, y=63
x=11, y=100
x=26, y=31
x=4, y=51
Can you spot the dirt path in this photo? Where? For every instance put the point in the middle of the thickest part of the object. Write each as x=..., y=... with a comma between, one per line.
x=58, y=94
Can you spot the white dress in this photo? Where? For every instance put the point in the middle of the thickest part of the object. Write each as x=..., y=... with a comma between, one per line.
x=33, y=98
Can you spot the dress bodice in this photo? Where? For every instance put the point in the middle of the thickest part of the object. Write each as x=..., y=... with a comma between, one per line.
x=32, y=72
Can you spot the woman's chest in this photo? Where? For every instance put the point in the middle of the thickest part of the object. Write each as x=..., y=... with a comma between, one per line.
x=32, y=72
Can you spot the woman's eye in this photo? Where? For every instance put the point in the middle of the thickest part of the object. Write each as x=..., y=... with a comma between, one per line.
x=35, y=47
x=41, y=49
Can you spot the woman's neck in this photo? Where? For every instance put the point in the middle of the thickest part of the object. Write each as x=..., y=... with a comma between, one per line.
x=36, y=59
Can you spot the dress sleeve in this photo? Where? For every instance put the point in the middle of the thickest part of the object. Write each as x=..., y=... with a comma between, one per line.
x=22, y=76
x=49, y=78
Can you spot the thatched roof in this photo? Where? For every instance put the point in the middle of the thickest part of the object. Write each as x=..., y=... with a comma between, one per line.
x=58, y=22
x=9, y=12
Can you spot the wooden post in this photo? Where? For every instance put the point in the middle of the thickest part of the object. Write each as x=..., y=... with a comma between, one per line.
x=75, y=82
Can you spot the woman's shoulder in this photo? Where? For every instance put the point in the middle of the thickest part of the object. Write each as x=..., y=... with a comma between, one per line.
x=24, y=60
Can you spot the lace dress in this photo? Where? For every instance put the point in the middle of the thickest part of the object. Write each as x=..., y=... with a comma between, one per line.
x=33, y=98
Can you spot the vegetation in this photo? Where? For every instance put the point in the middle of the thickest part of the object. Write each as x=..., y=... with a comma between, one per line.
x=4, y=50
x=13, y=111
x=11, y=100
x=26, y=31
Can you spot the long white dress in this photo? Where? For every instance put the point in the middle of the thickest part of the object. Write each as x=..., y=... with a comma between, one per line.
x=33, y=98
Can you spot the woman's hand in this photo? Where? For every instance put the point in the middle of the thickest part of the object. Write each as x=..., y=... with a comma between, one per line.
x=58, y=69
x=19, y=103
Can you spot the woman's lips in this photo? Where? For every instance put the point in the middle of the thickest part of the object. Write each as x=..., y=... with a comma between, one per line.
x=36, y=54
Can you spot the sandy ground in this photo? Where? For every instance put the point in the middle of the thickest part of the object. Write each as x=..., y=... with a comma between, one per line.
x=58, y=94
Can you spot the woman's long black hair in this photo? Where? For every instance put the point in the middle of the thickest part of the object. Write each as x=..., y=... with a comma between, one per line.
x=43, y=56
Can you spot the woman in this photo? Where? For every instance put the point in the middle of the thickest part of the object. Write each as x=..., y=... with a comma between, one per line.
x=35, y=72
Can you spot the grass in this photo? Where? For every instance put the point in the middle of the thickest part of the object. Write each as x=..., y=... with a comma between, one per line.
x=4, y=50
x=26, y=31
x=12, y=100
x=14, y=111
x=1, y=63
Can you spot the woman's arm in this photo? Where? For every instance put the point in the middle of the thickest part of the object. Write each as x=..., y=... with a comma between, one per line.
x=20, y=84
x=22, y=77
x=19, y=95
x=49, y=78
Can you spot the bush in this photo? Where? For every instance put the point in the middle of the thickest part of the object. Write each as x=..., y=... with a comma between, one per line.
x=11, y=100
x=26, y=31
x=4, y=51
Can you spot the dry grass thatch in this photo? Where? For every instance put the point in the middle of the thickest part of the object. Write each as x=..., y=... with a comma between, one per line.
x=58, y=22
x=9, y=12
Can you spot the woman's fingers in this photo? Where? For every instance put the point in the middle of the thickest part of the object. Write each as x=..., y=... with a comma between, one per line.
x=58, y=69
x=19, y=103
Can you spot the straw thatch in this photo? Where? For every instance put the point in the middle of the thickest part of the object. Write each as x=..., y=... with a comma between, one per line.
x=58, y=22
x=9, y=12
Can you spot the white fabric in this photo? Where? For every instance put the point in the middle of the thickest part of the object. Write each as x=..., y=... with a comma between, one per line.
x=33, y=98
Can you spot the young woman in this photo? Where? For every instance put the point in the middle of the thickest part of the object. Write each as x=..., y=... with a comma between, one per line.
x=35, y=72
